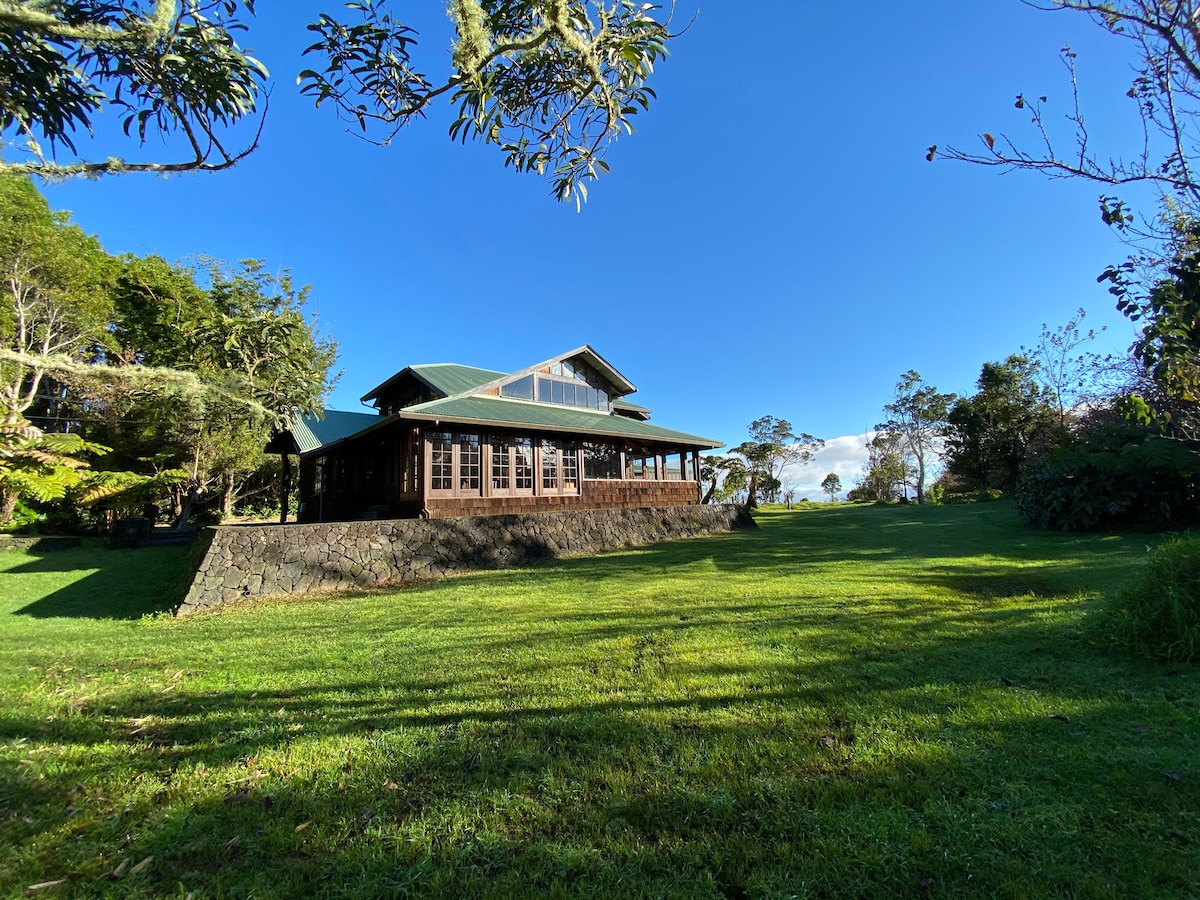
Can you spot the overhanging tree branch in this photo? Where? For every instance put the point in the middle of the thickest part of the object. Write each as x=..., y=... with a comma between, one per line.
x=550, y=82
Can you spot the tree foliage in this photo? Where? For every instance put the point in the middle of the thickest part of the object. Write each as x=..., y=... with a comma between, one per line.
x=549, y=82
x=1164, y=94
x=1069, y=374
x=832, y=485
x=1112, y=474
x=885, y=473
x=917, y=417
x=725, y=476
x=992, y=434
x=243, y=334
x=53, y=297
x=773, y=446
x=35, y=465
x=183, y=370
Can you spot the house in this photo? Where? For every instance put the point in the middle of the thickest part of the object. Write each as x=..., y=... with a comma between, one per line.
x=452, y=440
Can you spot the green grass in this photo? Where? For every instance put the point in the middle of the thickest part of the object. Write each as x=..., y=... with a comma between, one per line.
x=849, y=701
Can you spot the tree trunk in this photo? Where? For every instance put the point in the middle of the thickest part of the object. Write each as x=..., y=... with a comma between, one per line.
x=227, y=495
x=8, y=506
x=185, y=511
x=752, y=494
x=285, y=489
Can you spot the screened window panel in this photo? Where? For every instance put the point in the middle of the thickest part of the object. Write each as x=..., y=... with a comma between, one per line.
x=601, y=461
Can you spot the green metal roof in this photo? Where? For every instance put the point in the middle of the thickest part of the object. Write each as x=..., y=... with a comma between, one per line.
x=312, y=433
x=545, y=417
x=444, y=378
x=625, y=404
x=451, y=379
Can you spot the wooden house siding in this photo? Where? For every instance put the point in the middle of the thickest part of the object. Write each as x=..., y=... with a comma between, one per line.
x=454, y=440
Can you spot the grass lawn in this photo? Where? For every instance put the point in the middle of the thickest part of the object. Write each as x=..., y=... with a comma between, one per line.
x=849, y=701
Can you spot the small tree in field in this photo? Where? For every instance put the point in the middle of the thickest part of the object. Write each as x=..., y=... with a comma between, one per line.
x=772, y=447
x=832, y=485
x=917, y=418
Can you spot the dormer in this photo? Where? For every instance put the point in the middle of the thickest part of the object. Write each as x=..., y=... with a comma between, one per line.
x=420, y=384
x=580, y=378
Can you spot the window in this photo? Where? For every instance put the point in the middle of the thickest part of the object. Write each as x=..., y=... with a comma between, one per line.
x=571, y=384
x=601, y=461
x=523, y=464
x=521, y=389
x=501, y=465
x=570, y=469
x=559, y=463
x=549, y=466
x=469, y=462
x=441, y=468
x=455, y=463
x=642, y=467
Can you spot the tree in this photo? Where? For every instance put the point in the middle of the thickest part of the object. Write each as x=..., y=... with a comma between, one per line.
x=52, y=305
x=1068, y=375
x=884, y=473
x=1165, y=39
x=549, y=82
x=773, y=445
x=992, y=434
x=1110, y=473
x=918, y=418
x=832, y=485
x=1165, y=90
x=242, y=332
x=53, y=292
x=39, y=466
x=725, y=475
x=174, y=367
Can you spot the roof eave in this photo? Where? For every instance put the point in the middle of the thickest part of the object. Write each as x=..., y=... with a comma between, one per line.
x=692, y=440
x=374, y=426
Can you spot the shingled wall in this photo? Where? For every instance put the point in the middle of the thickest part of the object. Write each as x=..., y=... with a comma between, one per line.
x=236, y=562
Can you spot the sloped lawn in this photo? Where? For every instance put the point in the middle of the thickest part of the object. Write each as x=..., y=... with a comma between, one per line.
x=848, y=701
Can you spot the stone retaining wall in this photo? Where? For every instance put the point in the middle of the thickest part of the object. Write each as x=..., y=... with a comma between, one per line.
x=234, y=562
x=37, y=543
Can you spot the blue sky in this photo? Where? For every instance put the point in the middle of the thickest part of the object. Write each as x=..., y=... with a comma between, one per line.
x=770, y=241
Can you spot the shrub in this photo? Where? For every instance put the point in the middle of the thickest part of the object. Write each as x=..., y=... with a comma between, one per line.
x=25, y=520
x=1115, y=476
x=980, y=496
x=1158, y=613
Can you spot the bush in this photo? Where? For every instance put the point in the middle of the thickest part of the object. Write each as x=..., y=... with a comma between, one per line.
x=1112, y=477
x=980, y=496
x=1158, y=613
x=24, y=521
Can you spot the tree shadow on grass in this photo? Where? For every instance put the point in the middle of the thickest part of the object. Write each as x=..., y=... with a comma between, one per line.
x=860, y=764
x=786, y=543
x=97, y=583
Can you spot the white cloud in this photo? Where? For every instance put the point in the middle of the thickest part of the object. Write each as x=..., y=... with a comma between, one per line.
x=842, y=456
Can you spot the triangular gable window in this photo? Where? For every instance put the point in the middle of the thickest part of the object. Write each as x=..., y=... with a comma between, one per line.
x=567, y=382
